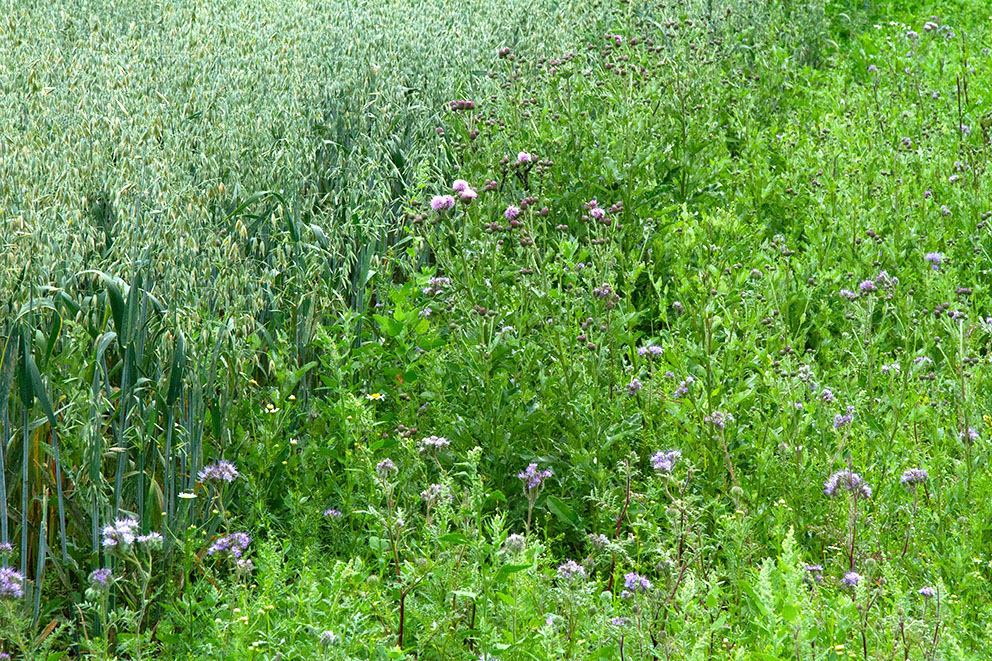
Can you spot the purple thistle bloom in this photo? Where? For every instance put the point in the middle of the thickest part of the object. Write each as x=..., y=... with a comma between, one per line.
x=11, y=583
x=385, y=467
x=851, y=578
x=664, y=462
x=511, y=212
x=230, y=546
x=468, y=195
x=524, y=157
x=872, y=68
x=846, y=480
x=222, y=471
x=441, y=203
x=571, y=571
x=927, y=592
x=533, y=478
x=913, y=477
x=459, y=185
x=100, y=578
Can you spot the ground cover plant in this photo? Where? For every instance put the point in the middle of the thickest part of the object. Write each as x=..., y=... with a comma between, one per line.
x=620, y=330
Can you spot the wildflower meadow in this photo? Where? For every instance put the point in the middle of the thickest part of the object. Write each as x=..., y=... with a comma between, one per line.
x=629, y=330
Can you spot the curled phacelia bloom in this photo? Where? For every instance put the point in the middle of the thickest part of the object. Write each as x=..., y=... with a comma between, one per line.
x=650, y=350
x=571, y=571
x=969, y=435
x=718, y=419
x=385, y=468
x=634, y=583
x=867, y=286
x=634, y=387
x=6, y=550
x=533, y=478
x=827, y=395
x=432, y=443
x=814, y=572
x=100, y=579
x=515, y=543
x=683, y=388
x=927, y=592
x=328, y=639
x=436, y=286
x=222, y=471
x=11, y=583
x=844, y=420
x=153, y=541
x=230, y=546
x=333, y=513
x=664, y=461
x=851, y=579
x=914, y=477
x=433, y=493
x=846, y=480
x=120, y=533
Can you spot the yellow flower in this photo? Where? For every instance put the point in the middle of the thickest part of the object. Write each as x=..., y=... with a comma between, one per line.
x=375, y=396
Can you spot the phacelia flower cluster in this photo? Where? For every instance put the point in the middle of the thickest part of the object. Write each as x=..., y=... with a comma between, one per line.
x=664, y=461
x=533, y=478
x=571, y=571
x=914, y=477
x=230, y=546
x=432, y=443
x=222, y=471
x=120, y=533
x=11, y=583
x=846, y=480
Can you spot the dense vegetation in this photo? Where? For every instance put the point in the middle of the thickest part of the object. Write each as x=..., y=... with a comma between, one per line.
x=518, y=330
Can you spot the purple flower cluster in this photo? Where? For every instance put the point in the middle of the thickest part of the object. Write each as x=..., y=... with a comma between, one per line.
x=843, y=420
x=571, y=571
x=634, y=387
x=435, y=443
x=512, y=212
x=846, y=480
x=121, y=532
x=533, y=478
x=664, y=462
x=222, y=471
x=230, y=546
x=851, y=579
x=433, y=493
x=436, y=286
x=927, y=592
x=634, y=583
x=827, y=395
x=332, y=513
x=848, y=294
x=101, y=578
x=970, y=435
x=650, y=350
x=385, y=467
x=718, y=419
x=441, y=203
x=11, y=583
x=815, y=572
x=914, y=477
x=6, y=550
x=683, y=388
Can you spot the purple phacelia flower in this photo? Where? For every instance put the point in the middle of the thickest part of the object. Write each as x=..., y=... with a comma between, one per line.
x=914, y=477
x=815, y=572
x=436, y=286
x=867, y=287
x=433, y=493
x=650, y=350
x=618, y=621
x=11, y=583
x=571, y=571
x=333, y=513
x=927, y=592
x=970, y=435
x=935, y=259
x=433, y=443
x=718, y=419
x=6, y=550
x=846, y=480
x=385, y=468
x=664, y=461
x=222, y=471
x=100, y=579
x=121, y=532
x=872, y=68
x=230, y=546
x=851, y=579
x=827, y=395
x=634, y=387
x=634, y=582
x=683, y=388
x=848, y=294
x=533, y=478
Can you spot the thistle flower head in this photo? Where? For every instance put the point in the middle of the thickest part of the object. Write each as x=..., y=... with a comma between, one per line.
x=459, y=185
x=441, y=203
x=512, y=212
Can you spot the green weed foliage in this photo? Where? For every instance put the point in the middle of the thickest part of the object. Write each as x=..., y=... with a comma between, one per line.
x=495, y=330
